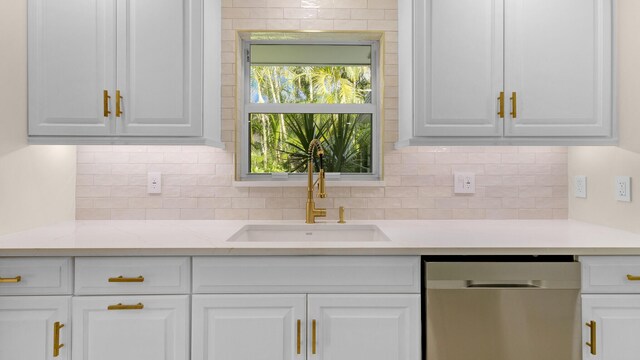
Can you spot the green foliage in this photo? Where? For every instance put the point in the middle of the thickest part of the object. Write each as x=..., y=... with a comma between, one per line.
x=279, y=142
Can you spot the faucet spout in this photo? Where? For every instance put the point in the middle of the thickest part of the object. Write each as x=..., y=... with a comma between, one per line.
x=312, y=212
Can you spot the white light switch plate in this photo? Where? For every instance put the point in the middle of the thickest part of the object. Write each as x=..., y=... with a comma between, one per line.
x=580, y=186
x=464, y=183
x=623, y=188
x=154, y=183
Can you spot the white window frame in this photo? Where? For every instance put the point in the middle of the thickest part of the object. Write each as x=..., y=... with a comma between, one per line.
x=374, y=108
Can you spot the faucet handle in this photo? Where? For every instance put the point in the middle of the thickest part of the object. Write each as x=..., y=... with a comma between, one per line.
x=341, y=215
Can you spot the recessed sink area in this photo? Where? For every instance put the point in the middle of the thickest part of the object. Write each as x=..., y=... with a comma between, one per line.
x=309, y=233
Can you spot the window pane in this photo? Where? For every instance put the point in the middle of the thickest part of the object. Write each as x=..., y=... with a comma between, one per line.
x=279, y=142
x=300, y=54
x=311, y=84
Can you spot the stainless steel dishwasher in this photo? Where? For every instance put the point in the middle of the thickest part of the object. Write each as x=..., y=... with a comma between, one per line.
x=502, y=310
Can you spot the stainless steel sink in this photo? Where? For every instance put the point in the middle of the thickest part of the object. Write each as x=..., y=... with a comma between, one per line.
x=309, y=233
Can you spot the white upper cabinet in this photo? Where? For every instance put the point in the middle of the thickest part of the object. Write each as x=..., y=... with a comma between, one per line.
x=71, y=61
x=505, y=72
x=160, y=67
x=124, y=72
x=461, y=63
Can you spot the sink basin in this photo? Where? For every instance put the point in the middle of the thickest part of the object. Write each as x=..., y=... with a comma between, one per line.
x=309, y=233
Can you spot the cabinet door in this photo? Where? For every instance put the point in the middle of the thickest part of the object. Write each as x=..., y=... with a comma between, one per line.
x=71, y=62
x=372, y=327
x=242, y=327
x=558, y=62
x=160, y=330
x=27, y=327
x=458, y=74
x=617, y=320
x=160, y=67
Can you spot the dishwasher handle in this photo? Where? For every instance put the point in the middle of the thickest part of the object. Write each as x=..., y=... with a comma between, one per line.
x=493, y=284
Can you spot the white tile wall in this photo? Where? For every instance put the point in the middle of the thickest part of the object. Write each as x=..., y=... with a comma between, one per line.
x=512, y=182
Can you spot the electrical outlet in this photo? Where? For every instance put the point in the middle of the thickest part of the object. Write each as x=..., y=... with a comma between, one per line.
x=154, y=183
x=580, y=186
x=623, y=188
x=464, y=183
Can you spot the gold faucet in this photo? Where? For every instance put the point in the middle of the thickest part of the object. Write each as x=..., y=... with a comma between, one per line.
x=312, y=212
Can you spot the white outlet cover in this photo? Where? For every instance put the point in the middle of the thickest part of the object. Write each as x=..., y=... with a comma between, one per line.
x=154, y=183
x=580, y=186
x=464, y=183
x=623, y=188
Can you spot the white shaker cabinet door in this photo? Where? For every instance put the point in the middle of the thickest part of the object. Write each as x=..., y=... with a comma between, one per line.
x=372, y=327
x=71, y=62
x=617, y=325
x=160, y=67
x=249, y=327
x=458, y=74
x=137, y=327
x=558, y=63
x=29, y=324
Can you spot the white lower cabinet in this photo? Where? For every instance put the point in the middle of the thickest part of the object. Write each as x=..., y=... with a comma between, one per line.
x=614, y=325
x=295, y=327
x=372, y=327
x=248, y=327
x=34, y=327
x=131, y=327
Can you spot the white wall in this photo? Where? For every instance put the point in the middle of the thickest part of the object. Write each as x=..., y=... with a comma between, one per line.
x=37, y=183
x=601, y=165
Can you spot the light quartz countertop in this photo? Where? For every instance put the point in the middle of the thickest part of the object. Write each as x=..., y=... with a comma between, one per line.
x=407, y=237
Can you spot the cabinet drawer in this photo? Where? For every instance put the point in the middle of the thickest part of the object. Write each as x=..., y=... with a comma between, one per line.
x=35, y=276
x=306, y=274
x=132, y=275
x=610, y=274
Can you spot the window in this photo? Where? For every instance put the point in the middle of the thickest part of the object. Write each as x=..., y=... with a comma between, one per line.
x=297, y=91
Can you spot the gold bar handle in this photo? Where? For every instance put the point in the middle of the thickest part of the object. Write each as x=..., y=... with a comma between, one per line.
x=633, y=277
x=119, y=100
x=313, y=337
x=514, y=105
x=119, y=306
x=105, y=103
x=56, y=338
x=501, y=100
x=298, y=336
x=121, y=279
x=592, y=341
x=16, y=279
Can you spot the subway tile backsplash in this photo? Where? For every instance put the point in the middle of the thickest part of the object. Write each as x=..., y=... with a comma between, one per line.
x=197, y=182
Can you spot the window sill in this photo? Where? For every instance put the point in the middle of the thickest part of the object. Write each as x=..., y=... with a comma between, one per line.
x=330, y=184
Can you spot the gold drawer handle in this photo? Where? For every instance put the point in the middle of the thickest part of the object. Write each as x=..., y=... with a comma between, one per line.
x=592, y=341
x=119, y=101
x=119, y=306
x=105, y=103
x=633, y=277
x=125, y=279
x=16, y=279
x=56, y=338
x=514, y=105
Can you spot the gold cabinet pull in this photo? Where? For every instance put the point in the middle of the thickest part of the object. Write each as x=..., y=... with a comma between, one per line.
x=592, y=341
x=298, y=337
x=56, y=338
x=633, y=277
x=119, y=306
x=514, y=105
x=119, y=100
x=313, y=336
x=126, y=279
x=501, y=105
x=105, y=103
x=16, y=279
